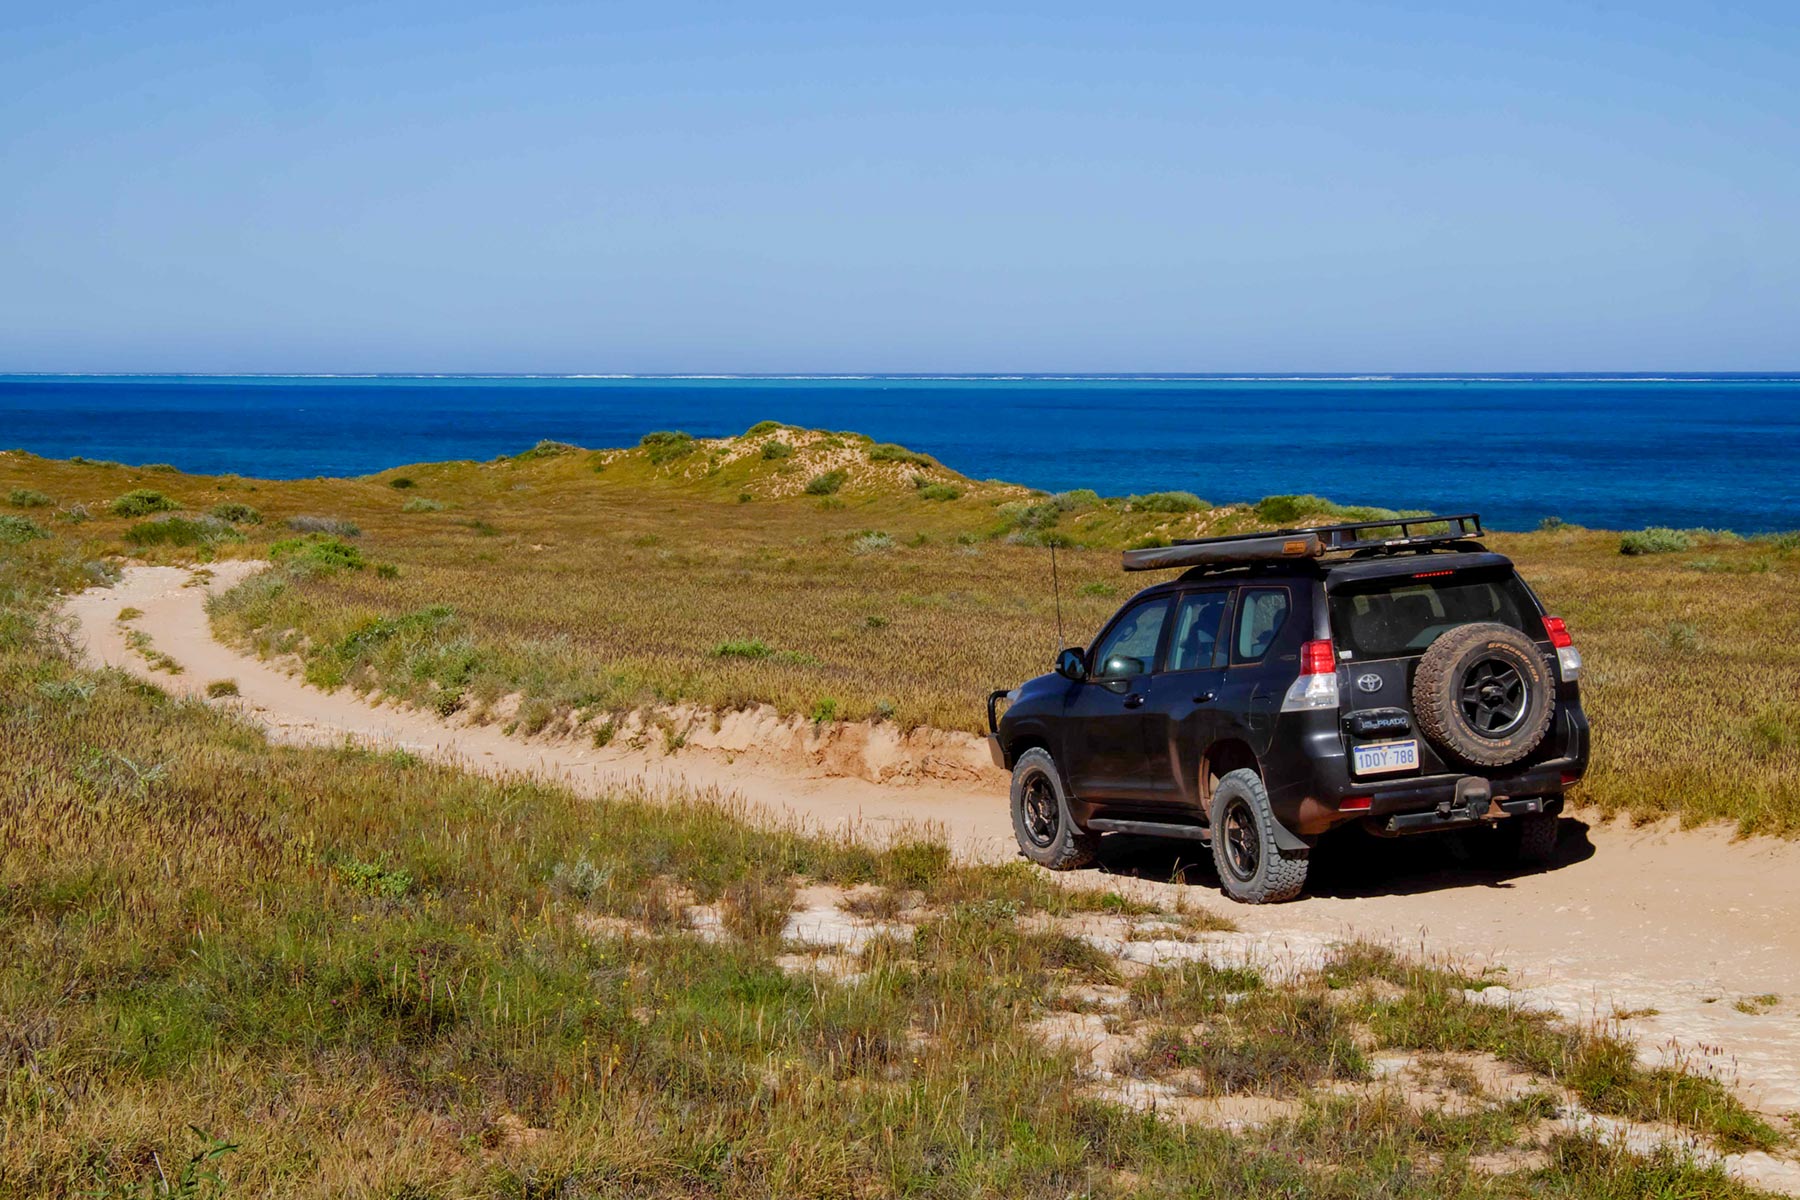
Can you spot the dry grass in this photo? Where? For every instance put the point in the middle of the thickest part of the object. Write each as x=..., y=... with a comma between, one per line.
x=642, y=577
x=343, y=973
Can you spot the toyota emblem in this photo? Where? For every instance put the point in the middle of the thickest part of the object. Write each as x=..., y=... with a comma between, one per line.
x=1368, y=683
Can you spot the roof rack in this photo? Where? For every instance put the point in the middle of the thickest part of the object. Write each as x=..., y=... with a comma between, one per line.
x=1399, y=533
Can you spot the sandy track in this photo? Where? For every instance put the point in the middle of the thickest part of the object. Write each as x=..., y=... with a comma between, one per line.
x=1628, y=920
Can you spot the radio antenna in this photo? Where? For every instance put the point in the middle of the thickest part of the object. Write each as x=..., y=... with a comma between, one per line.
x=1056, y=589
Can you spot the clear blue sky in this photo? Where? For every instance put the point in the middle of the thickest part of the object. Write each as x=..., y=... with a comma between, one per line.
x=783, y=187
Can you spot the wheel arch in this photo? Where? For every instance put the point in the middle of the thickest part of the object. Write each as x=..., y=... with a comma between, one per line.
x=1229, y=753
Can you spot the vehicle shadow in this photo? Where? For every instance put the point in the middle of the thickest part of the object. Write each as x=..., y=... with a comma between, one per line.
x=1352, y=864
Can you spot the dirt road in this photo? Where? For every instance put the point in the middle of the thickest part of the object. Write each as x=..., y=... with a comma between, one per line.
x=1672, y=927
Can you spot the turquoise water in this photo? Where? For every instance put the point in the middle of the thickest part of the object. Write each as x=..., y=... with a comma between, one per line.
x=1618, y=452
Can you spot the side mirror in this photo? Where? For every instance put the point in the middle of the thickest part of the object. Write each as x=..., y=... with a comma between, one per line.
x=1072, y=664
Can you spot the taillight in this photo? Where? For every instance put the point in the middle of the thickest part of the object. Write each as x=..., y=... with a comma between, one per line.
x=1568, y=658
x=1318, y=658
x=1317, y=685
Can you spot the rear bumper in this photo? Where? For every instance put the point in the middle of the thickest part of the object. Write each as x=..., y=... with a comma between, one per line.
x=1313, y=788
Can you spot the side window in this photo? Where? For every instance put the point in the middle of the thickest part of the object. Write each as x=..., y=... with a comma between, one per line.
x=1129, y=647
x=1196, y=643
x=1261, y=614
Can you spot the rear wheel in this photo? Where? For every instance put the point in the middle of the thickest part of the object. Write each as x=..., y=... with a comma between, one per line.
x=1046, y=831
x=1252, y=867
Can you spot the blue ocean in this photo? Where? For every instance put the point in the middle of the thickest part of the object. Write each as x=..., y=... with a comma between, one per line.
x=1719, y=451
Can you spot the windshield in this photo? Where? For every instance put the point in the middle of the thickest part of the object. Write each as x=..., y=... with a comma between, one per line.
x=1387, y=617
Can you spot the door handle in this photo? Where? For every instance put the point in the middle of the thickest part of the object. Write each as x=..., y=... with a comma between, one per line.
x=1206, y=697
x=1135, y=700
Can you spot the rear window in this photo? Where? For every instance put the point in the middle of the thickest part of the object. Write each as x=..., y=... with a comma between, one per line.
x=1387, y=617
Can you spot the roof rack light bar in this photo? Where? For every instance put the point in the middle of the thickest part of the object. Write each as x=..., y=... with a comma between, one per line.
x=1395, y=533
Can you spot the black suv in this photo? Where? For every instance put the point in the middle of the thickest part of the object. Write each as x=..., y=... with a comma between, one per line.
x=1395, y=673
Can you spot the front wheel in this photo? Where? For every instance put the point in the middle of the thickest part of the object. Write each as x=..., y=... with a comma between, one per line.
x=1047, y=833
x=1252, y=867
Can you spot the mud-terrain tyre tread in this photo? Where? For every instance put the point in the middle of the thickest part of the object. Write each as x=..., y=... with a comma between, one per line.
x=1279, y=875
x=1440, y=675
x=1073, y=848
x=1537, y=833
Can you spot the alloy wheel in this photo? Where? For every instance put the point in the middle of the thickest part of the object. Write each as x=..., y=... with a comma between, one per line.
x=1043, y=816
x=1493, y=697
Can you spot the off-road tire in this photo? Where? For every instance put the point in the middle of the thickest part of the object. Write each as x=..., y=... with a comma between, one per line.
x=1444, y=677
x=1062, y=847
x=1537, y=834
x=1252, y=868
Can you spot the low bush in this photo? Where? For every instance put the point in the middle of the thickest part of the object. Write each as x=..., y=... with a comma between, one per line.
x=776, y=450
x=182, y=531
x=404, y=481
x=1167, y=502
x=332, y=526
x=762, y=427
x=940, y=491
x=873, y=541
x=827, y=484
x=18, y=530
x=1657, y=539
x=218, y=689
x=544, y=449
x=141, y=503
x=419, y=504
x=28, y=498
x=889, y=452
x=235, y=511
x=665, y=446
x=317, y=554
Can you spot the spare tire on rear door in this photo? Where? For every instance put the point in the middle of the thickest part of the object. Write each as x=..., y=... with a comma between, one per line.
x=1483, y=694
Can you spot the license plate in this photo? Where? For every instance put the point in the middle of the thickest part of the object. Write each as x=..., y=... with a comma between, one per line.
x=1374, y=758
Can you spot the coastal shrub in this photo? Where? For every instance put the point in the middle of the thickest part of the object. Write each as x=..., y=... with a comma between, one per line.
x=665, y=446
x=776, y=450
x=762, y=427
x=218, y=689
x=1658, y=539
x=333, y=526
x=940, y=491
x=1076, y=500
x=1167, y=502
x=889, y=452
x=419, y=504
x=544, y=449
x=15, y=531
x=75, y=514
x=873, y=541
x=28, y=498
x=141, y=503
x=1552, y=524
x=401, y=481
x=182, y=531
x=235, y=511
x=317, y=554
x=826, y=484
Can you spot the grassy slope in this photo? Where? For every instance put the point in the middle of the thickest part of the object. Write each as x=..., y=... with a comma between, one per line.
x=374, y=977
x=644, y=576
